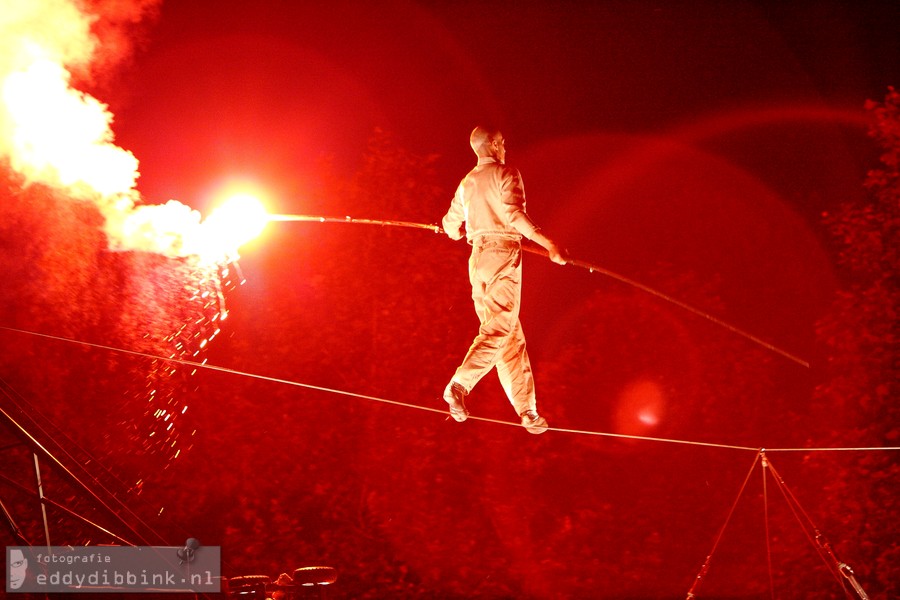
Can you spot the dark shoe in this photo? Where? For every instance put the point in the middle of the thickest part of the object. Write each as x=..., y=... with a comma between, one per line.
x=455, y=396
x=534, y=422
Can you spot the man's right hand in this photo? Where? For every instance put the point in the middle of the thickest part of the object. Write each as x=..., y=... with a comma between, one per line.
x=550, y=246
x=557, y=256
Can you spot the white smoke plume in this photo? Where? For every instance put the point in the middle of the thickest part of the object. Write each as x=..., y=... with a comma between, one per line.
x=53, y=134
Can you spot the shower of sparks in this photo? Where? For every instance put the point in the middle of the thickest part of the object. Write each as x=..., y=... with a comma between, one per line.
x=188, y=311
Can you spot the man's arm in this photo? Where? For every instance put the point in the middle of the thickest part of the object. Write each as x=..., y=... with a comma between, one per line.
x=454, y=221
x=512, y=194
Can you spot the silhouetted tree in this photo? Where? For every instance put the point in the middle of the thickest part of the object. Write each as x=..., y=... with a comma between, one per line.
x=858, y=397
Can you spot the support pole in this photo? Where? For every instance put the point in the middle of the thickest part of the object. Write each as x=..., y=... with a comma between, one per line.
x=40, y=491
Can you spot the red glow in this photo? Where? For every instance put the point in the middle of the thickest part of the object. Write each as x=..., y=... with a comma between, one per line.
x=640, y=408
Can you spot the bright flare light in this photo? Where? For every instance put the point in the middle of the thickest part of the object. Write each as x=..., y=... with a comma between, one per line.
x=56, y=135
x=241, y=218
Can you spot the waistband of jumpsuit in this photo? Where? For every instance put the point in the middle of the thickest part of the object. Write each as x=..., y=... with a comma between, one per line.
x=496, y=241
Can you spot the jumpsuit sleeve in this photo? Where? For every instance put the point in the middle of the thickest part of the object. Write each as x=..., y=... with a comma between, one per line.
x=512, y=195
x=454, y=221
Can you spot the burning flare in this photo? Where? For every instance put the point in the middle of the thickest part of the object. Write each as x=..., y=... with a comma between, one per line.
x=241, y=218
x=58, y=136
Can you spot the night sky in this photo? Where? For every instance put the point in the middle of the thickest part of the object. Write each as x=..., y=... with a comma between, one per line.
x=303, y=79
x=696, y=142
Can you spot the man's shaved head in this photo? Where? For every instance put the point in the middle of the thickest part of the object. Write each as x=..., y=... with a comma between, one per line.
x=480, y=140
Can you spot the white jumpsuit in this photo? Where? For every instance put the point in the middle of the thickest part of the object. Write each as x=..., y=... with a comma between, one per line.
x=489, y=209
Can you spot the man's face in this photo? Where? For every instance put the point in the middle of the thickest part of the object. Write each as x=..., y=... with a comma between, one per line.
x=498, y=147
x=17, y=566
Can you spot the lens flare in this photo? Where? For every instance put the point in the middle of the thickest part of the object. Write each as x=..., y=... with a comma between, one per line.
x=640, y=409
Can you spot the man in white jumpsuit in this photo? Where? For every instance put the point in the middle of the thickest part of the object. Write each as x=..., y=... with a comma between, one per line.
x=489, y=209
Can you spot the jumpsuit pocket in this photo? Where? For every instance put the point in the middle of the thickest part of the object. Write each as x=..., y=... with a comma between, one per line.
x=496, y=278
x=496, y=262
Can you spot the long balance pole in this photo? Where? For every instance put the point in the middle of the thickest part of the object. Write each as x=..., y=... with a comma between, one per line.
x=578, y=263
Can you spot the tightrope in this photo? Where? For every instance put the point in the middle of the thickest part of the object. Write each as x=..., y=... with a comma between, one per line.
x=443, y=412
